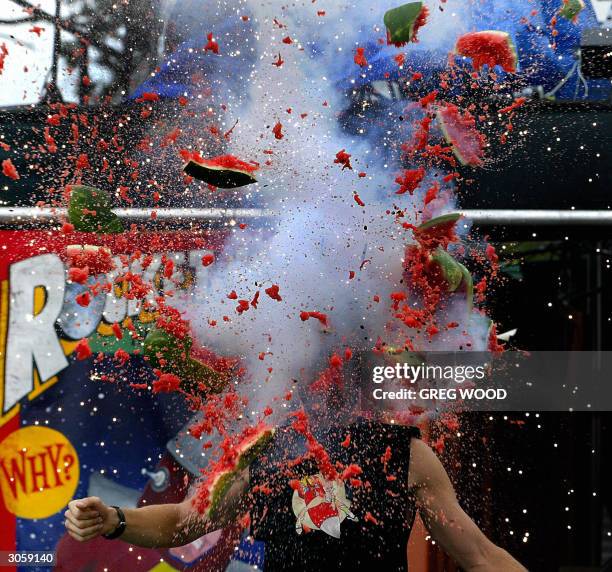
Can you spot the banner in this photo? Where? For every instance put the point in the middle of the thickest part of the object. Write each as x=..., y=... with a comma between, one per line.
x=74, y=427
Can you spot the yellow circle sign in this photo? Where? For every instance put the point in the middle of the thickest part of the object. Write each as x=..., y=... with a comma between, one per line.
x=39, y=472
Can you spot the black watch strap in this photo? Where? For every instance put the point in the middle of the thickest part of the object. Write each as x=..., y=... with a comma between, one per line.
x=120, y=529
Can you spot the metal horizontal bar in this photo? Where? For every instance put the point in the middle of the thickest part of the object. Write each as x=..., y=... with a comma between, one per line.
x=524, y=217
x=20, y=215
x=509, y=217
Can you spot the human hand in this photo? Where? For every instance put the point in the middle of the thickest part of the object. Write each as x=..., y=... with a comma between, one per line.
x=89, y=518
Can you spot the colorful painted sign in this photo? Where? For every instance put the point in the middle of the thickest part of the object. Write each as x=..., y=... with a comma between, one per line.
x=66, y=428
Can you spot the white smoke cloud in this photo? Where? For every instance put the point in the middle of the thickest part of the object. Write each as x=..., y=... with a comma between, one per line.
x=320, y=234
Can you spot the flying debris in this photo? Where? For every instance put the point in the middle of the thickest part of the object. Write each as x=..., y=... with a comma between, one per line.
x=460, y=132
x=505, y=337
x=404, y=22
x=490, y=47
x=90, y=210
x=163, y=349
x=225, y=171
x=237, y=457
x=571, y=9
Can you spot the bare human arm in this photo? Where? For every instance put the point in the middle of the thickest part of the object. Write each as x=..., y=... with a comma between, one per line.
x=447, y=522
x=155, y=526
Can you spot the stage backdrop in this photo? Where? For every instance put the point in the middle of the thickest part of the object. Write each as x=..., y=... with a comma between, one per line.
x=71, y=427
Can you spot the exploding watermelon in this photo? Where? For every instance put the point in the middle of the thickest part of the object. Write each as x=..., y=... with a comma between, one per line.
x=571, y=9
x=404, y=22
x=491, y=48
x=435, y=235
x=225, y=171
x=89, y=210
x=225, y=472
x=460, y=132
x=169, y=353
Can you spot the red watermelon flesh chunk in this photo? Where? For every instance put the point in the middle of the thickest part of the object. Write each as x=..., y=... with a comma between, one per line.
x=98, y=259
x=229, y=162
x=491, y=48
x=460, y=132
x=436, y=232
x=224, y=171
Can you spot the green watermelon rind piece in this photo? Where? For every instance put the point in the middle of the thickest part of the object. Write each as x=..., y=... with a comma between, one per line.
x=84, y=197
x=172, y=350
x=176, y=353
x=571, y=9
x=439, y=220
x=250, y=451
x=400, y=22
x=451, y=269
x=218, y=176
x=509, y=44
x=219, y=490
x=450, y=141
x=456, y=276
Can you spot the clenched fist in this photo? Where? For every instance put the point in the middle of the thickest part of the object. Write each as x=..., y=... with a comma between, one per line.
x=88, y=518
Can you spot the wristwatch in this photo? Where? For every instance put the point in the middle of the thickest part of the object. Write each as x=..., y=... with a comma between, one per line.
x=120, y=528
